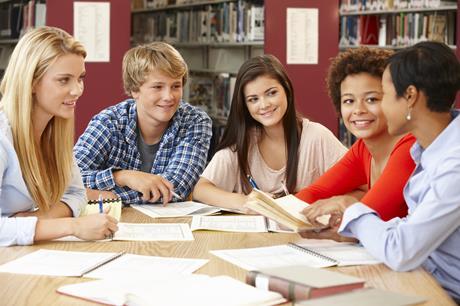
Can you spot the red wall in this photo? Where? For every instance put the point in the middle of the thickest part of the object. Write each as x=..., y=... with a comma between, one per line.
x=308, y=80
x=103, y=82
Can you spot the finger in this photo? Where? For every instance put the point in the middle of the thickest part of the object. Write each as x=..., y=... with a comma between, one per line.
x=107, y=209
x=165, y=193
x=112, y=219
x=145, y=194
x=113, y=227
x=154, y=194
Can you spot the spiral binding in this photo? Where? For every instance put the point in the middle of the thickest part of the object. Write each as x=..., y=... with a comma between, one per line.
x=311, y=252
x=100, y=264
x=104, y=201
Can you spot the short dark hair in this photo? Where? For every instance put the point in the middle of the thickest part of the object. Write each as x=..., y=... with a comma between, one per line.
x=354, y=61
x=433, y=68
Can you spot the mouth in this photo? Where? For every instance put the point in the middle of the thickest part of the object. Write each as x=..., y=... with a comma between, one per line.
x=166, y=107
x=70, y=103
x=268, y=113
x=361, y=123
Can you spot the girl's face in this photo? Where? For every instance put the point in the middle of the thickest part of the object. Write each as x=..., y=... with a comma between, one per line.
x=266, y=101
x=361, y=96
x=395, y=108
x=57, y=92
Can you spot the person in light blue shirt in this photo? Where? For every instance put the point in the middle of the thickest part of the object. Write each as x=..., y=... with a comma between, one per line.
x=40, y=184
x=420, y=84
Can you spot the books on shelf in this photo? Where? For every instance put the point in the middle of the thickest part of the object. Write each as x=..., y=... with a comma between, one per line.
x=99, y=265
x=381, y=5
x=194, y=290
x=285, y=210
x=315, y=254
x=297, y=283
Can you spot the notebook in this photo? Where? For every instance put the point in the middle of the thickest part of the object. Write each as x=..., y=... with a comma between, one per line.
x=292, y=254
x=190, y=290
x=93, y=208
x=245, y=224
x=285, y=210
x=179, y=209
x=365, y=297
x=98, y=265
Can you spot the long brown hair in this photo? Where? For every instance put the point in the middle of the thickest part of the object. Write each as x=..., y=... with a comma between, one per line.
x=237, y=132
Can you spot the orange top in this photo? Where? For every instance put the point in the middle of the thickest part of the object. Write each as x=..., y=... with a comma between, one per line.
x=354, y=170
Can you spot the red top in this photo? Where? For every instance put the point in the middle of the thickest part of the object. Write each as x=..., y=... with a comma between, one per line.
x=354, y=169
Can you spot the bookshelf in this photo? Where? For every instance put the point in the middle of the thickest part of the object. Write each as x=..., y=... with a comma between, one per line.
x=396, y=24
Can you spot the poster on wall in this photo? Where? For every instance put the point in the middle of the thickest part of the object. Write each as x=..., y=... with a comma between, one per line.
x=91, y=24
x=302, y=36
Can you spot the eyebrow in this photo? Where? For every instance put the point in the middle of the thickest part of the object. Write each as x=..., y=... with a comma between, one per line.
x=366, y=93
x=274, y=87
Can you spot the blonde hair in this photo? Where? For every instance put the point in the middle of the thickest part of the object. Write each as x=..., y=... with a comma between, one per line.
x=46, y=168
x=143, y=59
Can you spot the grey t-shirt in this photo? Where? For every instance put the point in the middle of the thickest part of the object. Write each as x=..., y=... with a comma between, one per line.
x=147, y=152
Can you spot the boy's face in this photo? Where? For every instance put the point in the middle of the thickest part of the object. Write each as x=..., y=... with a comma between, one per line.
x=158, y=98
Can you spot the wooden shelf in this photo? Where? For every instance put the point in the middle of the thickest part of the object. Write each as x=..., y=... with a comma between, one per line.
x=179, y=6
x=344, y=47
x=398, y=11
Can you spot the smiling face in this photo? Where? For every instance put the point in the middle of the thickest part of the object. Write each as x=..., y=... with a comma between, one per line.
x=361, y=96
x=57, y=92
x=158, y=98
x=266, y=101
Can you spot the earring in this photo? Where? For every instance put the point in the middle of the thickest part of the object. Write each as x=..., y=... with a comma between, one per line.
x=408, y=116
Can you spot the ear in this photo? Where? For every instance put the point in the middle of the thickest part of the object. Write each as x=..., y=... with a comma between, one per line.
x=135, y=94
x=411, y=95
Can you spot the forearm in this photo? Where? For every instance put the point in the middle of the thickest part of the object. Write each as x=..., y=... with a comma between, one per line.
x=208, y=193
x=48, y=229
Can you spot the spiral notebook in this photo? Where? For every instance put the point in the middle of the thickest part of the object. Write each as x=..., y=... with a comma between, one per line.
x=93, y=207
x=293, y=254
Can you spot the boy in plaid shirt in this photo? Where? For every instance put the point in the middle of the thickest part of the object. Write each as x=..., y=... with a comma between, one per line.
x=148, y=147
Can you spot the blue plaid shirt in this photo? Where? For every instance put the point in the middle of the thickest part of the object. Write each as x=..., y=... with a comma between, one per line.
x=109, y=143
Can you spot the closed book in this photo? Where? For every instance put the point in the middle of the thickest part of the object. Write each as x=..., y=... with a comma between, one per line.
x=297, y=283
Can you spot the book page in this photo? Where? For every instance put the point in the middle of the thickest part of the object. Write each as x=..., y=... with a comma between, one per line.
x=139, y=266
x=190, y=290
x=272, y=226
x=153, y=232
x=246, y=224
x=57, y=263
x=270, y=257
x=347, y=254
x=179, y=209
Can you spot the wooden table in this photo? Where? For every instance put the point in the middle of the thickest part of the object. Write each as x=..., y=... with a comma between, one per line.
x=18, y=289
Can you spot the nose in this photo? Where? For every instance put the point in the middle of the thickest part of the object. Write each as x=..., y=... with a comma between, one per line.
x=359, y=107
x=263, y=103
x=168, y=94
x=77, y=89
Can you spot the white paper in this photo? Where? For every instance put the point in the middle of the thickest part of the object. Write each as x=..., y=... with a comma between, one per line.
x=173, y=210
x=56, y=263
x=91, y=25
x=302, y=36
x=153, y=232
x=190, y=290
x=272, y=226
x=244, y=224
x=131, y=266
x=270, y=257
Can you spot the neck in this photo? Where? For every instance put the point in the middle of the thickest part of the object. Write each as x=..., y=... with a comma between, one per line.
x=151, y=131
x=380, y=147
x=433, y=125
x=274, y=133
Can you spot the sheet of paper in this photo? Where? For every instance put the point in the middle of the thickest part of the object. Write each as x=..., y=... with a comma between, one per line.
x=153, y=232
x=91, y=26
x=56, y=263
x=269, y=257
x=272, y=226
x=179, y=209
x=294, y=206
x=131, y=266
x=244, y=224
x=347, y=254
x=302, y=36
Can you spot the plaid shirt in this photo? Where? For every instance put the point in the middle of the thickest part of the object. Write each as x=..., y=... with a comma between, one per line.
x=109, y=143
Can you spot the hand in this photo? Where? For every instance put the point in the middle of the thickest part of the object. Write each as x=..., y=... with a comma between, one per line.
x=334, y=206
x=329, y=233
x=151, y=186
x=95, y=226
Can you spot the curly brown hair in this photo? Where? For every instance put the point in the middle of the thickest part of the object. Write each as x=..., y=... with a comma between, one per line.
x=354, y=61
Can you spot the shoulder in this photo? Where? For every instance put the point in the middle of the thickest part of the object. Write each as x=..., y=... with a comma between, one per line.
x=5, y=127
x=118, y=114
x=224, y=155
x=189, y=114
x=312, y=129
x=405, y=143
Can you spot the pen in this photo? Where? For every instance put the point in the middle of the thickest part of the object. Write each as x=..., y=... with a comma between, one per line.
x=101, y=206
x=252, y=182
x=177, y=196
x=286, y=191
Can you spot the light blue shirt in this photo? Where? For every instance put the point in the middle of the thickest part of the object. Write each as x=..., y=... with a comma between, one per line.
x=430, y=234
x=14, y=196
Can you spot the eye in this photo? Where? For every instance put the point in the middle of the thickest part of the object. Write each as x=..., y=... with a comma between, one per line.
x=157, y=87
x=252, y=100
x=272, y=92
x=372, y=100
x=63, y=81
x=177, y=86
x=347, y=101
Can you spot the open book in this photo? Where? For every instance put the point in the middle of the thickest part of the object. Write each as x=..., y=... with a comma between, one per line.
x=285, y=210
x=190, y=290
x=99, y=265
